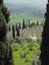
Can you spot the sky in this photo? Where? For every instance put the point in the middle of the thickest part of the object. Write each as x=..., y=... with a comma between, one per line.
x=41, y=4
x=29, y=2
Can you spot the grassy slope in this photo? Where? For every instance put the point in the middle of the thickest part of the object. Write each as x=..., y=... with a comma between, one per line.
x=32, y=54
x=19, y=18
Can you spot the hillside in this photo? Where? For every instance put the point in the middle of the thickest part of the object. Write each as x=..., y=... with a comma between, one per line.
x=16, y=9
x=21, y=11
x=33, y=31
x=26, y=15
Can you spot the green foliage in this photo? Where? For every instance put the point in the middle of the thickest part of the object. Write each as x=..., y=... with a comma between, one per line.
x=25, y=56
x=30, y=46
x=37, y=22
x=20, y=17
x=26, y=59
x=6, y=13
x=3, y=27
x=5, y=48
x=33, y=62
x=2, y=49
x=2, y=18
x=38, y=62
x=15, y=47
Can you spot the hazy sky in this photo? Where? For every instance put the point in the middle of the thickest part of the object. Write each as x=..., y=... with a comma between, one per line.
x=30, y=2
x=41, y=4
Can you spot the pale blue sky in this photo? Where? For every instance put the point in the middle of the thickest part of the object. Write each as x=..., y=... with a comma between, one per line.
x=30, y=2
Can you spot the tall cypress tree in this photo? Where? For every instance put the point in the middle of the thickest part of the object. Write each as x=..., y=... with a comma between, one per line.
x=5, y=50
x=18, y=32
x=16, y=27
x=29, y=23
x=13, y=32
x=23, y=25
x=19, y=26
x=37, y=22
x=44, y=57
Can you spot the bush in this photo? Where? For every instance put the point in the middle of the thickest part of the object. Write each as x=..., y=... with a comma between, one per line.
x=2, y=49
x=26, y=59
x=30, y=46
x=23, y=48
x=38, y=62
x=15, y=47
x=18, y=39
x=33, y=62
x=28, y=52
x=23, y=55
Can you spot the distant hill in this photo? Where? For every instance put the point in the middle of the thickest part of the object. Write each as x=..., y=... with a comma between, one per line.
x=18, y=9
x=20, y=12
x=26, y=15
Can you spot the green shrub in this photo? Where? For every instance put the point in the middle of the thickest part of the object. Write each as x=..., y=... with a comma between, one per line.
x=26, y=59
x=38, y=62
x=15, y=47
x=33, y=62
x=23, y=55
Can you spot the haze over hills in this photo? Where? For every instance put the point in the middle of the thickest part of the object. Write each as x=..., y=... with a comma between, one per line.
x=24, y=8
x=18, y=9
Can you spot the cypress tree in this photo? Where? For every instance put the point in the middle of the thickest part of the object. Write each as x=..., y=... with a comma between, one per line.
x=29, y=23
x=16, y=26
x=19, y=26
x=4, y=44
x=18, y=32
x=37, y=22
x=44, y=56
x=23, y=25
x=13, y=32
x=8, y=60
x=6, y=13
